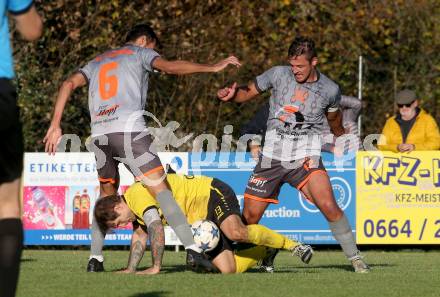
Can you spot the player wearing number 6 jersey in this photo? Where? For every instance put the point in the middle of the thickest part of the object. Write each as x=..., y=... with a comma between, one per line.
x=117, y=87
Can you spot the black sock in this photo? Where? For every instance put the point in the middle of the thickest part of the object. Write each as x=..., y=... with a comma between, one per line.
x=11, y=244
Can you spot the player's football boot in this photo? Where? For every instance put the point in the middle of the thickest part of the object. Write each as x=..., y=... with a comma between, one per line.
x=267, y=263
x=359, y=265
x=95, y=266
x=304, y=252
x=199, y=262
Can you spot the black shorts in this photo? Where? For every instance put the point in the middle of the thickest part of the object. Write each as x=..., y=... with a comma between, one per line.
x=109, y=147
x=11, y=150
x=264, y=184
x=222, y=203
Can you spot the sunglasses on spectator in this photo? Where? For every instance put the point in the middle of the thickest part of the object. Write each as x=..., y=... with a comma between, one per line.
x=406, y=105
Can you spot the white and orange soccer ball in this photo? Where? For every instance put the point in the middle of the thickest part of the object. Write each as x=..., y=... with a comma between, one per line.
x=206, y=234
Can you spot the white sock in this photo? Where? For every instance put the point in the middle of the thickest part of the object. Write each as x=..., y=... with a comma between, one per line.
x=100, y=258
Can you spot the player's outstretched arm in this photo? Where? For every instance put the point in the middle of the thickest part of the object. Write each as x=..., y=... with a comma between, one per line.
x=182, y=67
x=238, y=94
x=54, y=133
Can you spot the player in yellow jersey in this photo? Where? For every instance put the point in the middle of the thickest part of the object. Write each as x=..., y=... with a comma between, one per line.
x=199, y=197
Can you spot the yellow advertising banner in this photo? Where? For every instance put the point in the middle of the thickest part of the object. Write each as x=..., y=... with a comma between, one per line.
x=398, y=197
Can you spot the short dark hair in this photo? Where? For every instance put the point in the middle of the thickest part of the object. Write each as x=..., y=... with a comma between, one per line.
x=142, y=30
x=105, y=211
x=302, y=46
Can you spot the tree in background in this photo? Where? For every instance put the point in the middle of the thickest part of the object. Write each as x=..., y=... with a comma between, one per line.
x=398, y=39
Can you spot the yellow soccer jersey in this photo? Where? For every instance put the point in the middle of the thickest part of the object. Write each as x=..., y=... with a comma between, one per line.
x=191, y=193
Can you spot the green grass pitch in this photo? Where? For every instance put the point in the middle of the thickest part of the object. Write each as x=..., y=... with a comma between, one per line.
x=398, y=273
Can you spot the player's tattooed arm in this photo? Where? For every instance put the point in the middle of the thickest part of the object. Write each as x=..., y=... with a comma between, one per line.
x=156, y=235
x=157, y=241
x=138, y=245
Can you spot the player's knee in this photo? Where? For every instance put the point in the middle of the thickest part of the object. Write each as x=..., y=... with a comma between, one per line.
x=250, y=218
x=335, y=216
x=10, y=208
x=228, y=270
x=331, y=211
x=10, y=201
x=238, y=234
x=107, y=189
x=155, y=189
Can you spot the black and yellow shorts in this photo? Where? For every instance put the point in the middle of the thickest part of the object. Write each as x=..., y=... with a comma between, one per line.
x=222, y=203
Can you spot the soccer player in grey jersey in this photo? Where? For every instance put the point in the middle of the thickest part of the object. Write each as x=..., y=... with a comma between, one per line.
x=117, y=88
x=301, y=97
x=350, y=107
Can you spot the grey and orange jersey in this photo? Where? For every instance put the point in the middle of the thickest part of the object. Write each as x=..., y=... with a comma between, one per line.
x=118, y=86
x=296, y=113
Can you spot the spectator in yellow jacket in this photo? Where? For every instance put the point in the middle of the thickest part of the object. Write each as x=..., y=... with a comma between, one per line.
x=411, y=128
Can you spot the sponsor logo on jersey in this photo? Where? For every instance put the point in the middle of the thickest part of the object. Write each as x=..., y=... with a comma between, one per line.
x=107, y=111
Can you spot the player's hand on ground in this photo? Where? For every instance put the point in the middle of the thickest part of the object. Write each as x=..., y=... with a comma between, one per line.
x=125, y=271
x=52, y=139
x=224, y=63
x=149, y=271
x=227, y=93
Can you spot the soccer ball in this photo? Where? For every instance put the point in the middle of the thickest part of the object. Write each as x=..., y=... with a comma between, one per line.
x=206, y=234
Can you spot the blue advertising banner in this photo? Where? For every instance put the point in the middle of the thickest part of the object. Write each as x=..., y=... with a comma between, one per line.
x=294, y=216
x=83, y=237
x=73, y=237
x=58, y=204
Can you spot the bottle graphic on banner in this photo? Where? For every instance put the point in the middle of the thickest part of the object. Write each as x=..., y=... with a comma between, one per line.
x=76, y=220
x=44, y=208
x=84, y=209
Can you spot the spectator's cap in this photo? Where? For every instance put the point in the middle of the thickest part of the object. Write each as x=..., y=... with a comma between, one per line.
x=405, y=97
